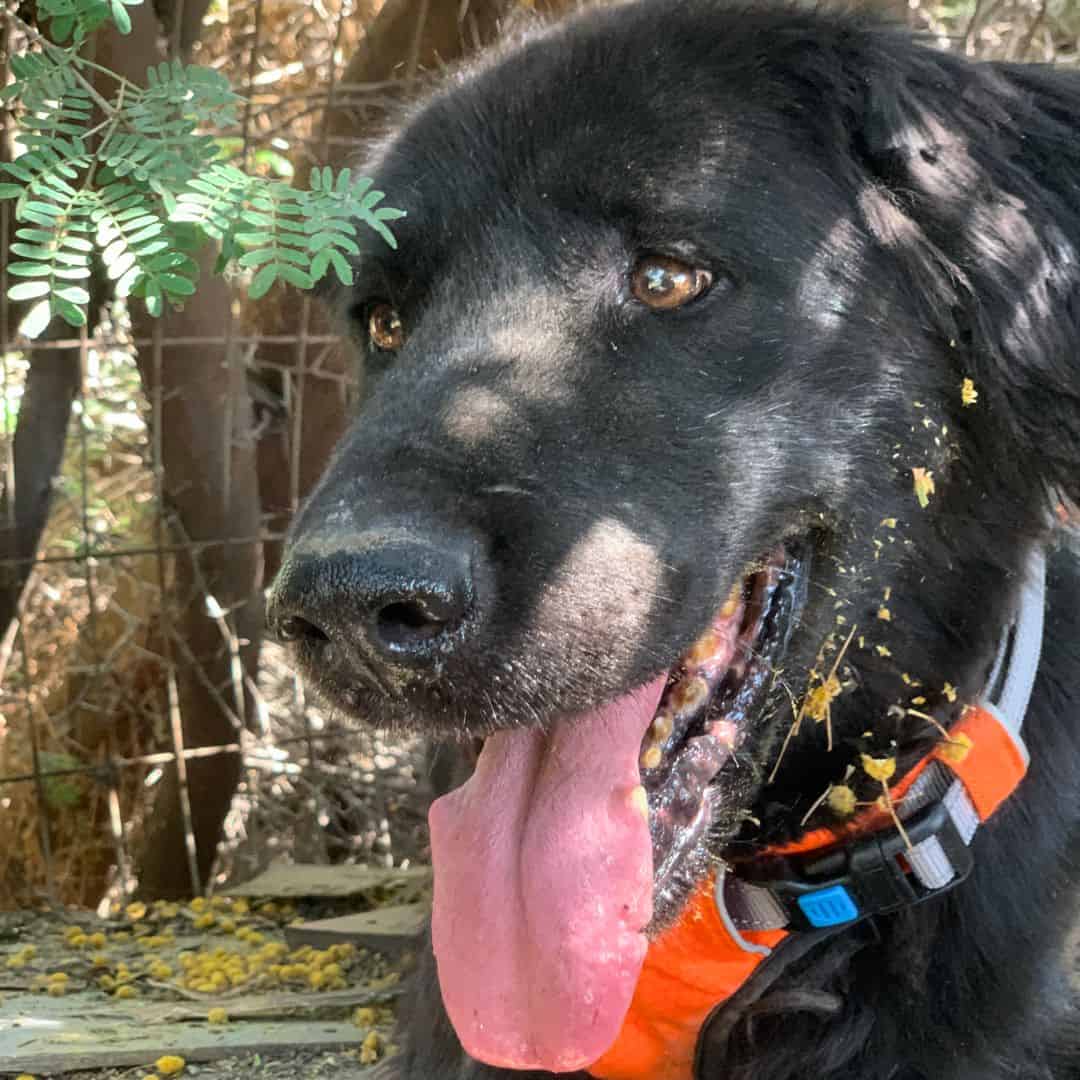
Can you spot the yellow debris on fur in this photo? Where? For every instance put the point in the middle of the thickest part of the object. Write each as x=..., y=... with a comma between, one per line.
x=881, y=769
x=956, y=748
x=924, y=485
x=968, y=394
x=841, y=800
x=821, y=697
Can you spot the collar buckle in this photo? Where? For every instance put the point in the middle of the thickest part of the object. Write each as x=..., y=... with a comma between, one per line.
x=872, y=876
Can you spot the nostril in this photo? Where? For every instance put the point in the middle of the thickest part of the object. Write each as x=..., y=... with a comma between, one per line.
x=297, y=628
x=409, y=624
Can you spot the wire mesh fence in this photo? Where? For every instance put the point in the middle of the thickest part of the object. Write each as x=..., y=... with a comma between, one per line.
x=95, y=726
x=139, y=707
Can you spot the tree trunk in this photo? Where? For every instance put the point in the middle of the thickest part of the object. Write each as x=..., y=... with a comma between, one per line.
x=52, y=384
x=203, y=428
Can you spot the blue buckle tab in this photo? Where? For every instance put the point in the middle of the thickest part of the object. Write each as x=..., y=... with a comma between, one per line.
x=828, y=907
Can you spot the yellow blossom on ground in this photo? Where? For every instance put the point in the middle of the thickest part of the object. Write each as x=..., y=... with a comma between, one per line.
x=364, y=1017
x=217, y=1016
x=127, y=991
x=135, y=911
x=884, y=614
x=169, y=1065
x=370, y=1047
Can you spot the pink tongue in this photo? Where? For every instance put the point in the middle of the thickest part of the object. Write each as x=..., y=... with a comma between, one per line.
x=543, y=884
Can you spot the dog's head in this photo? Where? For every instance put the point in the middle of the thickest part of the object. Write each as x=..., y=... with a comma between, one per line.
x=723, y=370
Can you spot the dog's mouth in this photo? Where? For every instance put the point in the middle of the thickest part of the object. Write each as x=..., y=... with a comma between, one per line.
x=713, y=702
x=549, y=859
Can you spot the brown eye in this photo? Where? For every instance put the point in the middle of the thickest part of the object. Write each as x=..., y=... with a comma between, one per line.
x=385, y=329
x=664, y=283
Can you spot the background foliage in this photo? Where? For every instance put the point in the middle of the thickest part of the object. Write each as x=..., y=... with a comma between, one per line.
x=134, y=180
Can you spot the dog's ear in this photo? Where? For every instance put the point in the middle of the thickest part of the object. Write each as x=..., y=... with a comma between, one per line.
x=973, y=179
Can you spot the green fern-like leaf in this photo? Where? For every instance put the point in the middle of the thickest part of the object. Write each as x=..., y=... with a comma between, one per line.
x=277, y=238
x=44, y=170
x=77, y=18
x=138, y=249
x=153, y=187
x=54, y=259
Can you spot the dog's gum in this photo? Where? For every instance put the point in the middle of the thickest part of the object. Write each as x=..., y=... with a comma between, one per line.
x=726, y=732
x=704, y=649
x=731, y=605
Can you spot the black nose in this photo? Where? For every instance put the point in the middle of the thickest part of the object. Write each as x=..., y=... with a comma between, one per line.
x=404, y=599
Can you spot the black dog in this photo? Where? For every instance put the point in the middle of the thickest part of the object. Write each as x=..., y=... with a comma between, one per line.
x=724, y=397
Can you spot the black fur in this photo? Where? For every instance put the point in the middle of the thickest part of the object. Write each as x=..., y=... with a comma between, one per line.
x=882, y=220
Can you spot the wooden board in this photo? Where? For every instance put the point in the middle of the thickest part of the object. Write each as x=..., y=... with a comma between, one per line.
x=390, y=930
x=299, y=879
x=44, y=1036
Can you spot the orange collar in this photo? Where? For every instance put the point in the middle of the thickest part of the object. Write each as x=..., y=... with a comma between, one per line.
x=701, y=961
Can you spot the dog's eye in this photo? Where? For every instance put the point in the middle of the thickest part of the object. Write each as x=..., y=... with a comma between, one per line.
x=385, y=328
x=662, y=282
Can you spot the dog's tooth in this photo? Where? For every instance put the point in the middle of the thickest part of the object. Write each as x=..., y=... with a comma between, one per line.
x=690, y=695
x=662, y=726
x=704, y=649
x=639, y=801
x=651, y=756
x=731, y=605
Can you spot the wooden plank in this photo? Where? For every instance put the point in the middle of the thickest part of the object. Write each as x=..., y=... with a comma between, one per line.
x=329, y=1004
x=299, y=879
x=393, y=929
x=44, y=1036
